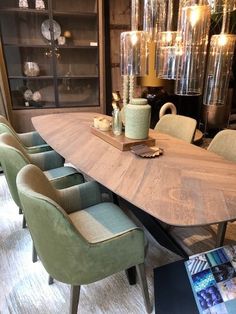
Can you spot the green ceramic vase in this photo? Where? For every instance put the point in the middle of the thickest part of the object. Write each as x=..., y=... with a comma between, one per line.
x=137, y=119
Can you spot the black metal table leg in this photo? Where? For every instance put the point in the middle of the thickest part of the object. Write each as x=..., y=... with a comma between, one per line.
x=131, y=275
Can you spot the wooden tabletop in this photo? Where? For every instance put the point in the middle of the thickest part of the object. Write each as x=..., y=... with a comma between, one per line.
x=187, y=186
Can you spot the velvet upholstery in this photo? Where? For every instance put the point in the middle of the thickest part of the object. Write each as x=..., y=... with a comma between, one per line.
x=13, y=156
x=70, y=250
x=178, y=126
x=31, y=141
x=224, y=144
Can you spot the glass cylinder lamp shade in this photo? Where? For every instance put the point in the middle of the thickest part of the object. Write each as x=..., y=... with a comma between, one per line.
x=166, y=55
x=134, y=53
x=218, y=69
x=218, y=6
x=154, y=16
x=194, y=28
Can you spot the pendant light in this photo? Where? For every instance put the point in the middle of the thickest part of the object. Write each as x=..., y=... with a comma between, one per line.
x=218, y=6
x=168, y=47
x=193, y=29
x=133, y=54
x=154, y=16
x=220, y=59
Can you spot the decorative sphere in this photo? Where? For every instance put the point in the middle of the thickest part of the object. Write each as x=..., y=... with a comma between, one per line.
x=37, y=96
x=67, y=34
x=28, y=94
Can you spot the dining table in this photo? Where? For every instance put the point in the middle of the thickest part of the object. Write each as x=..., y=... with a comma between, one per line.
x=186, y=186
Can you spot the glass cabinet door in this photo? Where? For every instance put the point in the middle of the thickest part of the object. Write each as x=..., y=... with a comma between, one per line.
x=27, y=54
x=77, y=47
x=51, y=52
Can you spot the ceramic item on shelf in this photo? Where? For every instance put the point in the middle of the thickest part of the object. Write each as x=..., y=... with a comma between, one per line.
x=45, y=29
x=67, y=34
x=39, y=5
x=61, y=40
x=31, y=69
x=137, y=119
x=28, y=94
x=37, y=96
x=23, y=4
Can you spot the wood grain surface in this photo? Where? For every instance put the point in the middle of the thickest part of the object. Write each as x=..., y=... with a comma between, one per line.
x=187, y=186
x=120, y=141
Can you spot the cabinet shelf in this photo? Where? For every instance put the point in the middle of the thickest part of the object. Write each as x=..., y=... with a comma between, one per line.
x=27, y=45
x=48, y=77
x=45, y=12
x=79, y=14
x=62, y=105
x=18, y=77
x=22, y=45
x=92, y=76
x=19, y=10
x=76, y=47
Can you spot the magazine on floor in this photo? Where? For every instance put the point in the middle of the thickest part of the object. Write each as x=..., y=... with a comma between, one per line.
x=212, y=276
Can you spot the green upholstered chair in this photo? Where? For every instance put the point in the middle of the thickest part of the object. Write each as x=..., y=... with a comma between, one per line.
x=78, y=238
x=177, y=126
x=13, y=156
x=31, y=141
x=224, y=144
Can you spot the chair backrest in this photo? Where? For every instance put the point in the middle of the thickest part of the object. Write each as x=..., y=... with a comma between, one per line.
x=4, y=120
x=59, y=245
x=12, y=158
x=177, y=126
x=5, y=127
x=224, y=144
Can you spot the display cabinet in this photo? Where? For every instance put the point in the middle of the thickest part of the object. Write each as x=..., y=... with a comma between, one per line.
x=53, y=54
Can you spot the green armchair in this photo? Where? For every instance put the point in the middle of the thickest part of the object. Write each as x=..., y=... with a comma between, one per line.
x=31, y=141
x=78, y=238
x=178, y=126
x=13, y=156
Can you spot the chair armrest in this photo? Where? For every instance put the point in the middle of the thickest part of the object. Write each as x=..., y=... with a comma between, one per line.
x=47, y=160
x=38, y=148
x=80, y=196
x=31, y=138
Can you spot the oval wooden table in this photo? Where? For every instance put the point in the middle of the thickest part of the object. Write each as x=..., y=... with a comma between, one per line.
x=187, y=186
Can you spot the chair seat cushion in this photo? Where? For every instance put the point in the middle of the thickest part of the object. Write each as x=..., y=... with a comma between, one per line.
x=64, y=177
x=102, y=222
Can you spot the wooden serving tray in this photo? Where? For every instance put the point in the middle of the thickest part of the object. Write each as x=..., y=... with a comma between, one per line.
x=120, y=141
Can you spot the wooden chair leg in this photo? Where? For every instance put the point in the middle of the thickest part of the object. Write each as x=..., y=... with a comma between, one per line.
x=34, y=254
x=221, y=230
x=50, y=280
x=74, y=299
x=144, y=287
x=24, y=222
